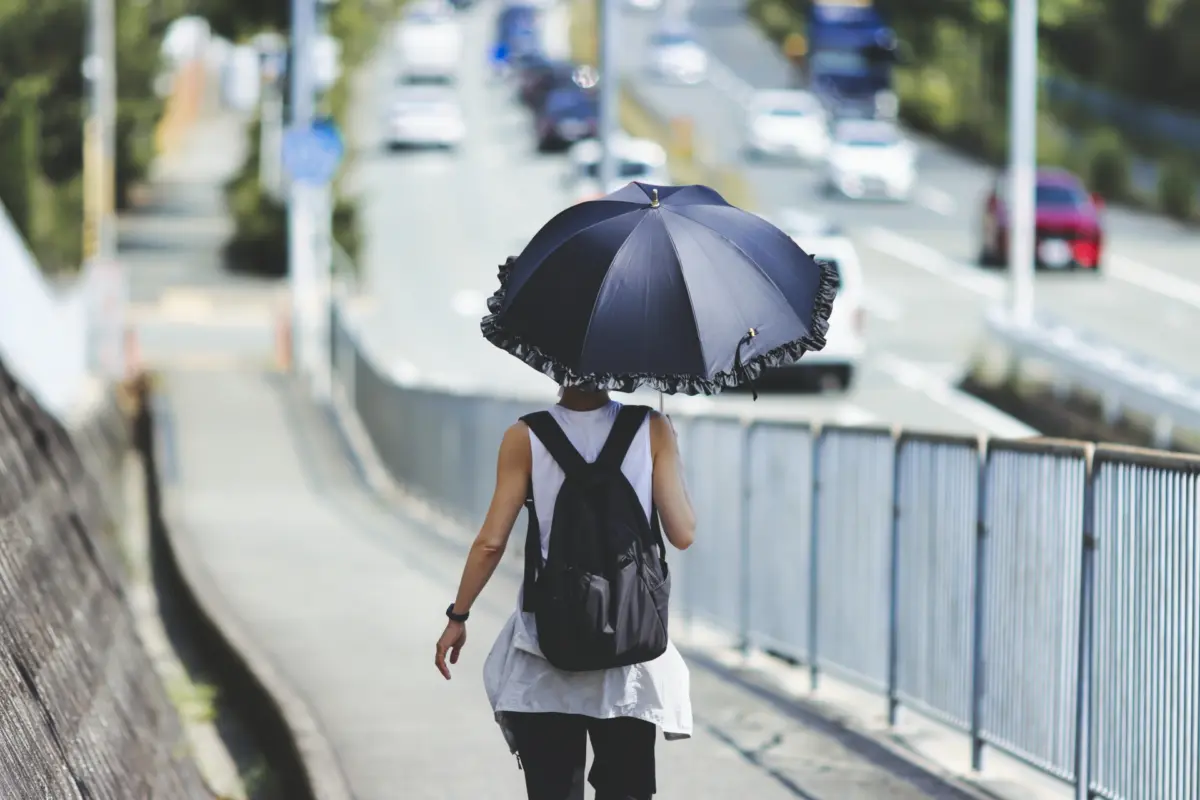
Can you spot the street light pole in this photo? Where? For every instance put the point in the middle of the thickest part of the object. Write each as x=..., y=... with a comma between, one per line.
x=323, y=202
x=106, y=279
x=610, y=87
x=304, y=198
x=1023, y=101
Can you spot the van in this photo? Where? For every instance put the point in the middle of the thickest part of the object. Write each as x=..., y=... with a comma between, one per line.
x=834, y=367
x=429, y=44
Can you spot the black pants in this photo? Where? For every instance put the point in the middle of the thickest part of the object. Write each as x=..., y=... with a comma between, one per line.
x=553, y=751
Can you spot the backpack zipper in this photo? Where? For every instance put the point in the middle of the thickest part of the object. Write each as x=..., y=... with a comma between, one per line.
x=519, y=765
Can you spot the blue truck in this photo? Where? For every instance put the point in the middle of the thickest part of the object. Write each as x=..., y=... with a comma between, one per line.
x=850, y=54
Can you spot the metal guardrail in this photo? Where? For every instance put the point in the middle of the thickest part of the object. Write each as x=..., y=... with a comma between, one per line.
x=1122, y=380
x=1179, y=128
x=1039, y=595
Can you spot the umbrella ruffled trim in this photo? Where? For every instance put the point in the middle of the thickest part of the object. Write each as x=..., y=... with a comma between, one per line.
x=752, y=368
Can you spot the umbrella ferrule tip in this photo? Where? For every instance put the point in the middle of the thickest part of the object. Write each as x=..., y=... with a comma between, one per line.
x=654, y=198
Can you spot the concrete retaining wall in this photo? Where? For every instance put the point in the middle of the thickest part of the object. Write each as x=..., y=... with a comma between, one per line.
x=83, y=714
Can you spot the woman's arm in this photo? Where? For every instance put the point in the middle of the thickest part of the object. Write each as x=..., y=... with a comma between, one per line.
x=513, y=467
x=670, y=493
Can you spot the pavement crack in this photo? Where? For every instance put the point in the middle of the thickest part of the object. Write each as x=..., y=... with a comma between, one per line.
x=755, y=757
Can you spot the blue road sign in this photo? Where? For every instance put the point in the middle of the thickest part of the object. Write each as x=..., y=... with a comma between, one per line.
x=313, y=154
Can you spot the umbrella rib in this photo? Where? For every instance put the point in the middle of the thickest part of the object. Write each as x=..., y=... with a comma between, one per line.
x=745, y=255
x=586, y=228
x=691, y=306
x=687, y=291
x=607, y=273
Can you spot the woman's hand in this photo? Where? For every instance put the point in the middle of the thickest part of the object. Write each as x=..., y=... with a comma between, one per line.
x=453, y=639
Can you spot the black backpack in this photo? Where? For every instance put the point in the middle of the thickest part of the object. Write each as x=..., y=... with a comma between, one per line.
x=600, y=597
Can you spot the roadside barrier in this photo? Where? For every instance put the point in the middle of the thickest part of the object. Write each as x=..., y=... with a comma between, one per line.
x=1127, y=385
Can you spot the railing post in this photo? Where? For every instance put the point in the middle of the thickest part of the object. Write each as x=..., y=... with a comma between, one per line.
x=894, y=590
x=1087, y=604
x=744, y=570
x=978, y=664
x=814, y=570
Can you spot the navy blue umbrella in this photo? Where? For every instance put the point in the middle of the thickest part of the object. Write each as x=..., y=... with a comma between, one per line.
x=668, y=287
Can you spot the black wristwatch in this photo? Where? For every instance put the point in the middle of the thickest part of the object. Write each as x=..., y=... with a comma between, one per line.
x=456, y=617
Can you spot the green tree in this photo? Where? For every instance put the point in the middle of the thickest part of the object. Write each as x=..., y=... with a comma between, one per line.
x=19, y=173
x=42, y=48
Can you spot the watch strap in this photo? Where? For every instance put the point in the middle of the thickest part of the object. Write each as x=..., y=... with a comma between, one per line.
x=456, y=617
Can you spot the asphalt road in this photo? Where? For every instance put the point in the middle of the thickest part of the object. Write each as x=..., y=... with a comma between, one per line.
x=921, y=256
x=437, y=224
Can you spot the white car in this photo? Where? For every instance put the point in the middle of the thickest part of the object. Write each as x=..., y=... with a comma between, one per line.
x=833, y=367
x=676, y=56
x=787, y=124
x=424, y=116
x=428, y=43
x=638, y=160
x=871, y=158
x=644, y=5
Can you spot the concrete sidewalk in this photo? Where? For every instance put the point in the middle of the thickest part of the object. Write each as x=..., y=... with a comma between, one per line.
x=343, y=597
x=184, y=305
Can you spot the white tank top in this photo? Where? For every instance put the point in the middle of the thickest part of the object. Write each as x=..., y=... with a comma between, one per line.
x=588, y=431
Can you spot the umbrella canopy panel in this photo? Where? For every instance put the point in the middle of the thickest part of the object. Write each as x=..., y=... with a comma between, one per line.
x=657, y=286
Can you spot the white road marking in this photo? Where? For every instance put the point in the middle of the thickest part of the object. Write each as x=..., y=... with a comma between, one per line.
x=936, y=200
x=1153, y=280
x=469, y=303
x=189, y=303
x=883, y=307
x=926, y=258
x=939, y=390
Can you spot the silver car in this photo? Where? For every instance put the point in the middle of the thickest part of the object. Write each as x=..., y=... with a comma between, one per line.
x=870, y=158
x=676, y=56
x=424, y=116
x=787, y=124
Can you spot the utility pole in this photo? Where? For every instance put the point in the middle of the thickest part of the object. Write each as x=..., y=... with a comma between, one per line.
x=304, y=198
x=610, y=88
x=106, y=280
x=1022, y=209
x=323, y=202
x=272, y=52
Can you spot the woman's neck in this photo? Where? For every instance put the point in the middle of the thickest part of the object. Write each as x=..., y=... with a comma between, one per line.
x=580, y=400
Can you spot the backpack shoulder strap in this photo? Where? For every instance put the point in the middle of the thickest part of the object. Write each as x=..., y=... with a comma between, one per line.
x=628, y=422
x=551, y=435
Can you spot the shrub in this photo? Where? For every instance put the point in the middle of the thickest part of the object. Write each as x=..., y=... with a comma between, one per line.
x=1177, y=188
x=1108, y=165
x=259, y=245
x=19, y=156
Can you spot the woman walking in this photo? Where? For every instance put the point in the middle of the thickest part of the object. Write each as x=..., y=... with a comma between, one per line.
x=667, y=287
x=548, y=714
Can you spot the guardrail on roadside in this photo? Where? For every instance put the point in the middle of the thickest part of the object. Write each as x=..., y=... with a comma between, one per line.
x=1036, y=594
x=1123, y=381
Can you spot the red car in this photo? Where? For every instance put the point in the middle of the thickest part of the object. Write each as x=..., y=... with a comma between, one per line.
x=1070, y=232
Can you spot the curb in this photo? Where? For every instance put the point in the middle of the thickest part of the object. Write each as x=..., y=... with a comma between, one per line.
x=301, y=757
